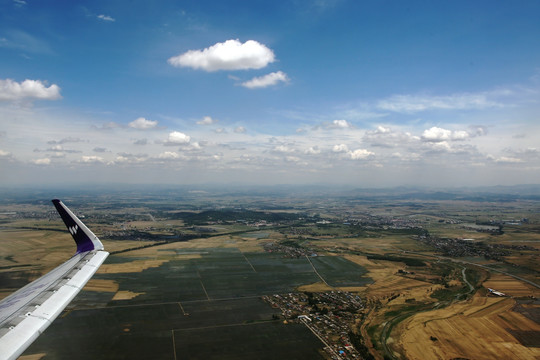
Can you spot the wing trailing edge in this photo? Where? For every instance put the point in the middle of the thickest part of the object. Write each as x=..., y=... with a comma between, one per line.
x=25, y=314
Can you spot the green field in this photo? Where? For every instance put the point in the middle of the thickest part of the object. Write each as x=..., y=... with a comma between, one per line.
x=211, y=304
x=228, y=329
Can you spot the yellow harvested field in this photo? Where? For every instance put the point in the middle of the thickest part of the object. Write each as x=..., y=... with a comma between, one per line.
x=101, y=285
x=373, y=245
x=511, y=286
x=316, y=287
x=378, y=269
x=130, y=267
x=399, y=284
x=187, y=256
x=225, y=241
x=479, y=328
x=32, y=356
x=41, y=249
x=386, y=282
x=125, y=295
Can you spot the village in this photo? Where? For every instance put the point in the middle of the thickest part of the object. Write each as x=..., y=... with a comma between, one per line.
x=331, y=316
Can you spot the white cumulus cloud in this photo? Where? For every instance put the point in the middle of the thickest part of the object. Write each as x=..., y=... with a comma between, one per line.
x=143, y=124
x=340, y=148
x=360, y=154
x=266, y=80
x=283, y=149
x=168, y=155
x=92, y=159
x=34, y=89
x=207, y=120
x=228, y=55
x=342, y=124
x=177, y=138
x=437, y=134
x=121, y=159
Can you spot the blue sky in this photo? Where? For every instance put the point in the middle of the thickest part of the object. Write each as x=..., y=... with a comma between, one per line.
x=367, y=93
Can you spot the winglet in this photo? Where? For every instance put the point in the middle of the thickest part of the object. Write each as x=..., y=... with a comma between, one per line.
x=85, y=239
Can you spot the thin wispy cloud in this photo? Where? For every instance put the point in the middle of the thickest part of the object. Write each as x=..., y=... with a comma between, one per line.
x=417, y=103
x=19, y=3
x=266, y=80
x=106, y=18
x=140, y=142
x=5, y=154
x=91, y=159
x=42, y=161
x=23, y=41
x=66, y=140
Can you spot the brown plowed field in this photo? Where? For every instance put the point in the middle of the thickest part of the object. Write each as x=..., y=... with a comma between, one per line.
x=480, y=328
x=511, y=286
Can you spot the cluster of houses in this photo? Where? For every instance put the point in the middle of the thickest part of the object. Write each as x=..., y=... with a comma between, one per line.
x=464, y=247
x=330, y=315
x=288, y=251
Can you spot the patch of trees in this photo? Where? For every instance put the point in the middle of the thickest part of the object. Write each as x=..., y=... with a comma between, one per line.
x=448, y=294
x=358, y=342
x=291, y=243
x=146, y=236
x=407, y=261
x=232, y=216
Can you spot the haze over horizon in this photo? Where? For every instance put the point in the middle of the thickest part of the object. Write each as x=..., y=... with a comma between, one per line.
x=294, y=92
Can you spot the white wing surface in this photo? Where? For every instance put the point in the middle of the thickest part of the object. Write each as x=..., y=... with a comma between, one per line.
x=25, y=314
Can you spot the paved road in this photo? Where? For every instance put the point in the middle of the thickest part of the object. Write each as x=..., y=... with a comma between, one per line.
x=475, y=264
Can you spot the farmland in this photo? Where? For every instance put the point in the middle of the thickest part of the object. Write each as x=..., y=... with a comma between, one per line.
x=186, y=276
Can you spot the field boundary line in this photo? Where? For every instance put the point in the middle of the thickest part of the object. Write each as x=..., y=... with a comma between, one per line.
x=182, y=308
x=173, y=344
x=228, y=325
x=166, y=303
x=202, y=285
x=204, y=289
x=316, y=272
x=249, y=262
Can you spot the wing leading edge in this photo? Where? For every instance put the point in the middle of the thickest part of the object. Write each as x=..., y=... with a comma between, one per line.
x=25, y=314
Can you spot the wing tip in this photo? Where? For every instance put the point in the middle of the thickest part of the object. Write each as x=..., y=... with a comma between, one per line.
x=84, y=238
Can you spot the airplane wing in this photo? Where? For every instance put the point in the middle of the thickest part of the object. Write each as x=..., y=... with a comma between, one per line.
x=26, y=313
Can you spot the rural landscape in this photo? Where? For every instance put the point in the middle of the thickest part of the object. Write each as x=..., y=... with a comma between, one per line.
x=287, y=272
